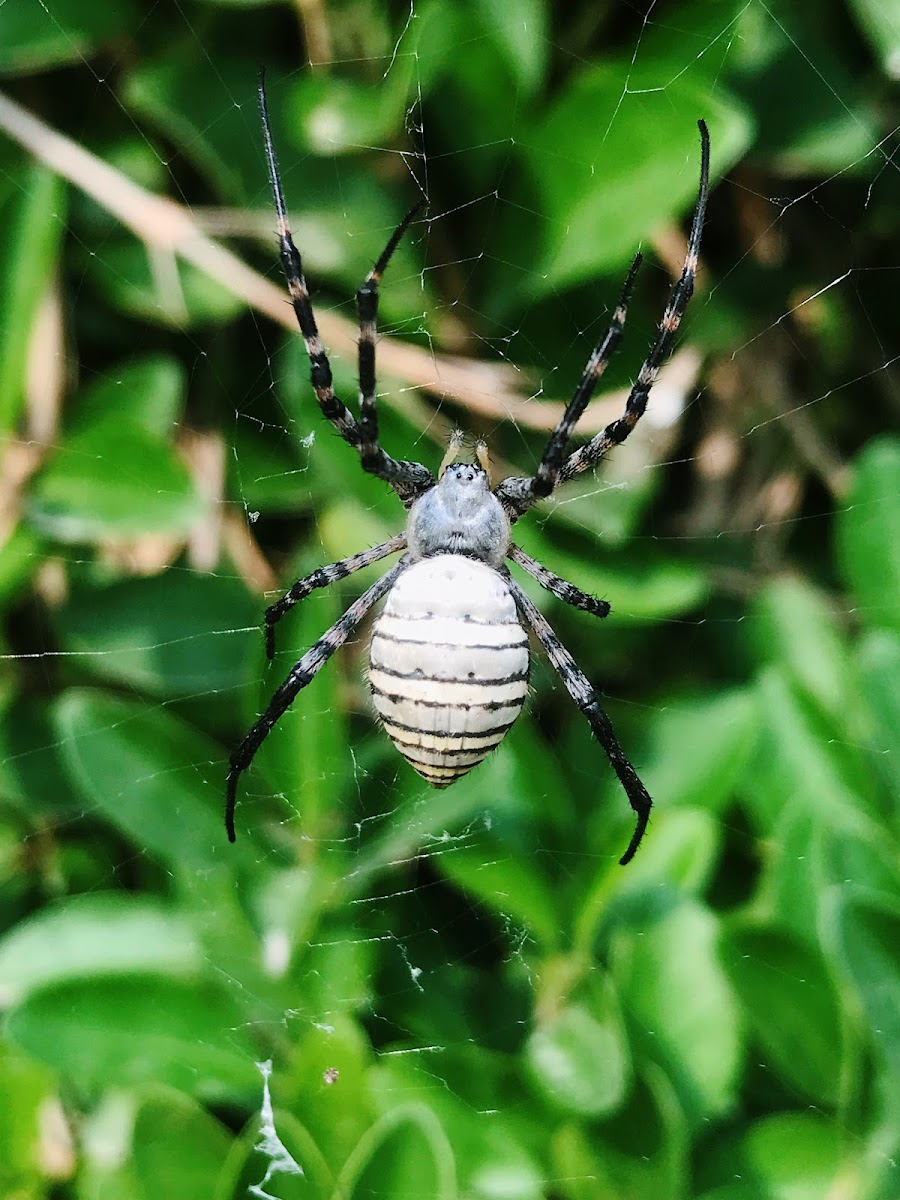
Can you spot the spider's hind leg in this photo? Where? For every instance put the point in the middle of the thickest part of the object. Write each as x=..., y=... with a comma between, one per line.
x=585, y=697
x=301, y=674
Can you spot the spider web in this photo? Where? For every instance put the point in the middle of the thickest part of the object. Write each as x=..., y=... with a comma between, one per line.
x=357, y=900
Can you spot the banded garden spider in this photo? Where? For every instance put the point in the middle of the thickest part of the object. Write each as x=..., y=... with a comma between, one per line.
x=449, y=656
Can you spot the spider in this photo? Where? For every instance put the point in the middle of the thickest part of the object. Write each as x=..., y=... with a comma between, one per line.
x=449, y=657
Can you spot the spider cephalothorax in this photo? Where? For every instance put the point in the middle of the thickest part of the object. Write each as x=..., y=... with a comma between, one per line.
x=449, y=658
x=459, y=515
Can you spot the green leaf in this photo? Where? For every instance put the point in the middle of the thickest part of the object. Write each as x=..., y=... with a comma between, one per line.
x=579, y=1058
x=679, y=852
x=176, y=634
x=871, y=862
x=259, y=1167
x=506, y=785
x=33, y=219
x=642, y=1150
x=139, y=1029
x=20, y=556
x=795, y=1156
x=613, y=165
x=177, y=1145
x=113, y=480
x=147, y=392
x=156, y=286
x=240, y=3
x=879, y=666
x=810, y=855
x=519, y=28
x=794, y=625
x=640, y=586
x=266, y=477
x=405, y=1152
x=495, y=1156
x=346, y=527
x=27, y=1095
x=33, y=774
x=341, y=116
x=881, y=26
x=151, y=776
x=868, y=534
x=200, y=104
x=803, y=48
x=863, y=934
x=507, y=882
x=673, y=985
x=94, y=935
x=669, y=48
x=335, y=1115
x=34, y=37
x=699, y=747
x=308, y=757
x=790, y=1003
x=804, y=765
x=337, y=973
x=610, y=502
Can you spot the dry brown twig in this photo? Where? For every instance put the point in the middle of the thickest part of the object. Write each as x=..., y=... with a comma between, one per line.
x=489, y=390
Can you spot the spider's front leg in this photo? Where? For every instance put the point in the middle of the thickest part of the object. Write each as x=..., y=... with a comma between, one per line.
x=370, y=452
x=519, y=493
x=408, y=479
x=588, y=456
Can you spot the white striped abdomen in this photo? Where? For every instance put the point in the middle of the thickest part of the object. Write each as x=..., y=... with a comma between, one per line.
x=449, y=665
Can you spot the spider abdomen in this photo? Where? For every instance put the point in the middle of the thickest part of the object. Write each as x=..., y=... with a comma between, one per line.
x=449, y=665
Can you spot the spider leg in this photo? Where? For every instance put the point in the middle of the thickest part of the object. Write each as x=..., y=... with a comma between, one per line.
x=408, y=479
x=561, y=588
x=519, y=493
x=616, y=432
x=302, y=673
x=370, y=452
x=325, y=577
x=585, y=697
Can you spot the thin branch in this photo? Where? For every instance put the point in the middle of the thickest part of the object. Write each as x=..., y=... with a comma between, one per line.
x=489, y=390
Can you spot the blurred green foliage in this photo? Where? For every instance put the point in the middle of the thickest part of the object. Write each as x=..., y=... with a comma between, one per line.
x=461, y=993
